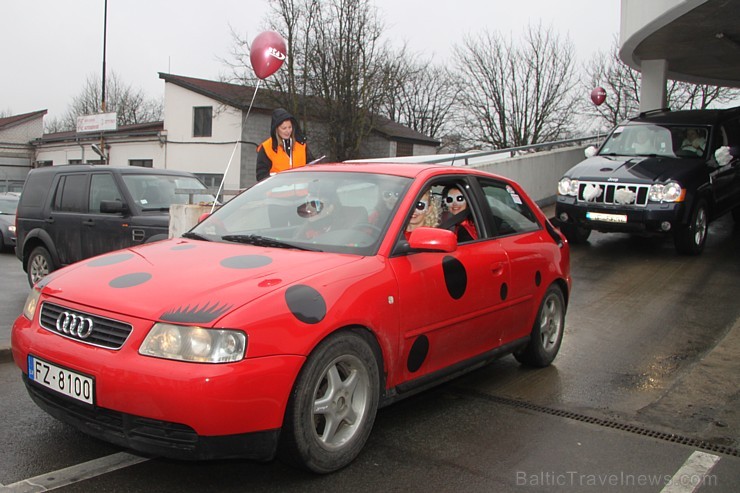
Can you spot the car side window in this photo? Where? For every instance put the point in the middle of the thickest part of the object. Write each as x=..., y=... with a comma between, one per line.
x=70, y=194
x=510, y=214
x=102, y=187
x=457, y=209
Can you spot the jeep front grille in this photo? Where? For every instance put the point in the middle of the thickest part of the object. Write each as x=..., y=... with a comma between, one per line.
x=613, y=193
x=84, y=327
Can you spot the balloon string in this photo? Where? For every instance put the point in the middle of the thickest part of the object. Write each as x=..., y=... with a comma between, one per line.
x=236, y=145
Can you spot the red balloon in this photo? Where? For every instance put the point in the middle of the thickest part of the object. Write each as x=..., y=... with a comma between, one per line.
x=267, y=53
x=598, y=95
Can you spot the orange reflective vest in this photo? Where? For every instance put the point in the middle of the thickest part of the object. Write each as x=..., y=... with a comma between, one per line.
x=280, y=159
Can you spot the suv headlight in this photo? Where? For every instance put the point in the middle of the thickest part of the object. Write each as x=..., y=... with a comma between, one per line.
x=195, y=344
x=566, y=186
x=669, y=192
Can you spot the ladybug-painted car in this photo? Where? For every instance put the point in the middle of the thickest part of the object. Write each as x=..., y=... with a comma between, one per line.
x=281, y=322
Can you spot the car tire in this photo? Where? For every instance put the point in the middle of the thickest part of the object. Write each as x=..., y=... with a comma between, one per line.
x=575, y=234
x=736, y=215
x=689, y=239
x=2, y=243
x=40, y=265
x=547, y=331
x=340, y=381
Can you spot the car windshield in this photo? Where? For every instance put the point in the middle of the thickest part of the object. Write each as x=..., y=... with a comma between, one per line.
x=342, y=212
x=159, y=192
x=8, y=206
x=656, y=140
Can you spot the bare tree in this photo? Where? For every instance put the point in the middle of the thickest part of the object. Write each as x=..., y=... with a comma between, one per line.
x=422, y=97
x=337, y=71
x=622, y=85
x=130, y=105
x=516, y=94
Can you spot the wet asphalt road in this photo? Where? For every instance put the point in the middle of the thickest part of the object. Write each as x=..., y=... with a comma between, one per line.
x=647, y=375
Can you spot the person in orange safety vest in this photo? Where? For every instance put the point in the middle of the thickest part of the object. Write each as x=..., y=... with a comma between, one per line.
x=285, y=148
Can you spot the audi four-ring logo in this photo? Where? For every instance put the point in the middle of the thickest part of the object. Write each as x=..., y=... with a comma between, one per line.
x=75, y=325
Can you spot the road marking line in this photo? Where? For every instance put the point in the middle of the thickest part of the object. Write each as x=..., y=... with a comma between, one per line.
x=692, y=474
x=73, y=474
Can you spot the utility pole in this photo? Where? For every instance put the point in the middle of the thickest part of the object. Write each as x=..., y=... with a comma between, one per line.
x=102, y=101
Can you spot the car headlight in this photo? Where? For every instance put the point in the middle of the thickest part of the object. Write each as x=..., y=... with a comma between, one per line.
x=32, y=302
x=566, y=186
x=669, y=192
x=195, y=344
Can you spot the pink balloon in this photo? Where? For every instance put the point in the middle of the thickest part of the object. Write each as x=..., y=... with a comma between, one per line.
x=267, y=53
x=598, y=95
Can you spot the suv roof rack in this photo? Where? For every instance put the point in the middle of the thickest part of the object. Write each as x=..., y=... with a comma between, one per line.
x=653, y=112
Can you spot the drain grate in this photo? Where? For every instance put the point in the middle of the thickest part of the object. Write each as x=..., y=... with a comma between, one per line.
x=668, y=437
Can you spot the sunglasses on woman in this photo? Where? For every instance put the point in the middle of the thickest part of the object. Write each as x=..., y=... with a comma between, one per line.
x=452, y=198
x=421, y=205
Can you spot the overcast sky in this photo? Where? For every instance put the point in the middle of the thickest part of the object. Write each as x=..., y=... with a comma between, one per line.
x=50, y=47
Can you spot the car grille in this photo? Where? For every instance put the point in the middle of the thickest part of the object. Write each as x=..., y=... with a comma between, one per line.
x=613, y=193
x=96, y=330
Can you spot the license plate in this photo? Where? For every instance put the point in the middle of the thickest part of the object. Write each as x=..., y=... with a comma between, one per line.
x=609, y=218
x=62, y=380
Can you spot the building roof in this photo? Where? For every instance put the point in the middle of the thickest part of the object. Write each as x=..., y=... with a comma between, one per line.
x=240, y=96
x=700, y=39
x=14, y=120
x=134, y=130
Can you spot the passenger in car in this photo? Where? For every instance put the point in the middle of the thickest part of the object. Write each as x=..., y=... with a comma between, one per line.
x=694, y=142
x=456, y=216
x=426, y=213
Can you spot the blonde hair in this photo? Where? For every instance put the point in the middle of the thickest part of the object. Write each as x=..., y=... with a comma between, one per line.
x=431, y=219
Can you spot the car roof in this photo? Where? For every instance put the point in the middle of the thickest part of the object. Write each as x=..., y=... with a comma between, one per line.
x=409, y=170
x=58, y=168
x=10, y=195
x=685, y=117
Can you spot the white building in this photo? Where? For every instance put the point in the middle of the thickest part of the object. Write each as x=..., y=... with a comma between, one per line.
x=206, y=131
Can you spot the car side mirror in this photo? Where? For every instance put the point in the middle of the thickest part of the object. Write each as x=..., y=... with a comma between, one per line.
x=590, y=151
x=112, y=207
x=432, y=240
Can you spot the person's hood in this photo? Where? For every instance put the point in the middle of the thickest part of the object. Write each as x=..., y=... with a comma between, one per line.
x=187, y=281
x=278, y=117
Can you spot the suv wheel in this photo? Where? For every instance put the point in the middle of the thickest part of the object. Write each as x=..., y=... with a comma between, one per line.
x=39, y=265
x=690, y=238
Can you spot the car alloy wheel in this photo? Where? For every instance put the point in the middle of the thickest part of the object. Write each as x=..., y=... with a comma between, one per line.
x=547, y=331
x=39, y=265
x=333, y=405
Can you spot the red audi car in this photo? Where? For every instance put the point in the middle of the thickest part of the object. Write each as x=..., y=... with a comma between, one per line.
x=280, y=323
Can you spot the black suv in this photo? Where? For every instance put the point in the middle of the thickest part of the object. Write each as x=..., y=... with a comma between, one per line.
x=70, y=212
x=663, y=172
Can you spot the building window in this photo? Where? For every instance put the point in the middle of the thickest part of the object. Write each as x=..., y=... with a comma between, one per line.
x=202, y=121
x=75, y=161
x=404, y=149
x=143, y=163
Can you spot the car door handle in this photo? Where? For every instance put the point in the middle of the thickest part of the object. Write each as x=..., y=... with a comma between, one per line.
x=49, y=220
x=497, y=268
x=88, y=222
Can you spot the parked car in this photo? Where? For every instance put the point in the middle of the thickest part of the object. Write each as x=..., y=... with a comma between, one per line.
x=8, y=206
x=281, y=322
x=71, y=212
x=661, y=173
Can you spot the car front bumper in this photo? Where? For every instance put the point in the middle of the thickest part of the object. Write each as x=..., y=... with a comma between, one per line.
x=653, y=218
x=161, y=407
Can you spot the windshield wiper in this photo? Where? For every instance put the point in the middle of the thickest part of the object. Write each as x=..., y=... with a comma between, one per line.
x=194, y=236
x=264, y=241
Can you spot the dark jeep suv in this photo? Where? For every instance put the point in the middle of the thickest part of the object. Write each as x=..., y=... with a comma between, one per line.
x=70, y=212
x=663, y=172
